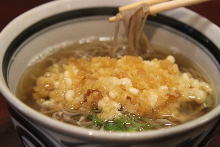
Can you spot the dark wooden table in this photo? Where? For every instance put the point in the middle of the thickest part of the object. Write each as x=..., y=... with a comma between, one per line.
x=9, y=9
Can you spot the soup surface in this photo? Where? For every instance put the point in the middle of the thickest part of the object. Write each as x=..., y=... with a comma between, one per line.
x=84, y=85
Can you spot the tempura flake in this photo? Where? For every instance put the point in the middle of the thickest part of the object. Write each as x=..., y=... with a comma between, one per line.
x=150, y=88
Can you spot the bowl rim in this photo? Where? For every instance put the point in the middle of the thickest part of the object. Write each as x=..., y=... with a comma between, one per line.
x=56, y=7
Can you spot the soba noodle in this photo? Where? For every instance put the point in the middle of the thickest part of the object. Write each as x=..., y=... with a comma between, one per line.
x=133, y=22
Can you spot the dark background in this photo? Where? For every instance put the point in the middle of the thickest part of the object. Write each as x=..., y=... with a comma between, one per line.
x=9, y=9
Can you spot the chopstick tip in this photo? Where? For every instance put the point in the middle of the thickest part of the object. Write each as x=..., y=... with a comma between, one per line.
x=112, y=19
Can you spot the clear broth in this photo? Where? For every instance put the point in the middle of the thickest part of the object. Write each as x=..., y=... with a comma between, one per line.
x=91, y=49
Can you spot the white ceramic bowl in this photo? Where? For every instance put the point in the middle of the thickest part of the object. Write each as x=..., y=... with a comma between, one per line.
x=28, y=35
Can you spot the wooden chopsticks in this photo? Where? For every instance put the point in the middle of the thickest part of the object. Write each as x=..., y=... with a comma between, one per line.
x=147, y=2
x=173, y=4
x=156, y=6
